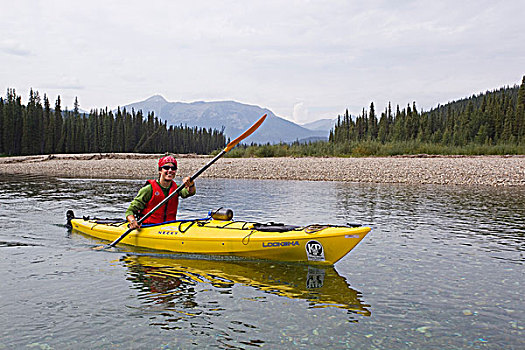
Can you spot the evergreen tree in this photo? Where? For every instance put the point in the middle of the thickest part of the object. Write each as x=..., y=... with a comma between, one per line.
x=119, y=133
x=30, y=120
x=520, y=113
x=382, y=133
x=372, y=123
x=49, y=126
x=398, y=133
x=58, y=137
x=12, y=123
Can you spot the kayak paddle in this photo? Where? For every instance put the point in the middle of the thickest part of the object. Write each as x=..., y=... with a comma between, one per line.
x=193, y=177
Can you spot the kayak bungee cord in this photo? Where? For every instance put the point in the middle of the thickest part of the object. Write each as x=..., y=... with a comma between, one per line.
x=228, y=147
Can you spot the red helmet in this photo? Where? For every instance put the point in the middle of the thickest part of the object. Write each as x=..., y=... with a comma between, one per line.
x=167, y=159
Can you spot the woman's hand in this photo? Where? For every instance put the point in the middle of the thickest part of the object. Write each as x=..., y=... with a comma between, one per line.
x=133, y=224
x=190, y=185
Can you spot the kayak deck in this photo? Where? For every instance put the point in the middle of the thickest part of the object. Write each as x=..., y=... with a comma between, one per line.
x=316, y=244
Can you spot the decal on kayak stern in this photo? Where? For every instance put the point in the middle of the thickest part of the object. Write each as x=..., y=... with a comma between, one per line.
x=314, y=251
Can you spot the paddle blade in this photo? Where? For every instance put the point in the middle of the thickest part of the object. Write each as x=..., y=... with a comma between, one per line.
x=245, y=134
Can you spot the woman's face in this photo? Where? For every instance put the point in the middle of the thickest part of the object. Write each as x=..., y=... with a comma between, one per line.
x=168, y=171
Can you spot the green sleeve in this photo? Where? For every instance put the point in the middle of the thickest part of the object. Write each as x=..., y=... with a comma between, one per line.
x=140, y=201
x=185, y=193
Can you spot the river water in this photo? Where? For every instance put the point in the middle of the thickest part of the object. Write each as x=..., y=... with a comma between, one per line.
x=443, y=268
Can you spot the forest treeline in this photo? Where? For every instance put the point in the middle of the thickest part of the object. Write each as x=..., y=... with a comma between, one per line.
x=491, y=118
x=488, y=123
x=36, y=128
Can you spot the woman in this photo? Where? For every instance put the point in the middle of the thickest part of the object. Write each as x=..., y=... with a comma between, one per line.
x=155, y=191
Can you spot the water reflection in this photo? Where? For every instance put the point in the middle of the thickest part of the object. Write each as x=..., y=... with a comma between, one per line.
x=176, y=285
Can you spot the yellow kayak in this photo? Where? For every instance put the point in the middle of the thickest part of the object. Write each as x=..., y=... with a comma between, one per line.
x=313, y=244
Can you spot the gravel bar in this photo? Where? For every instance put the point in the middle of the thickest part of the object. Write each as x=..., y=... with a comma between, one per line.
x=420, y=169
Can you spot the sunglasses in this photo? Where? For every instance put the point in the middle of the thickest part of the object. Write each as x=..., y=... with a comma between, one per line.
x=168, y=167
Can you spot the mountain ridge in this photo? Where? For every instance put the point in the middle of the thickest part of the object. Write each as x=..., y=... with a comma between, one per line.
x=231, y=116
x=321, y=124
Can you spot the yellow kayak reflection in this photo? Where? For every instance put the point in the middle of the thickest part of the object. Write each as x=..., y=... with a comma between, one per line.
x=163, y=278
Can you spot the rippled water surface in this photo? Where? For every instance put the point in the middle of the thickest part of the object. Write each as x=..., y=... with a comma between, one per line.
x=443, y=268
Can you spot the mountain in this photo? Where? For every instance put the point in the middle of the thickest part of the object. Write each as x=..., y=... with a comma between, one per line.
x=233, y=116
x=324, y=125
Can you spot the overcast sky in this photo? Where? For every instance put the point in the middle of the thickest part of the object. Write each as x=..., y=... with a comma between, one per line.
x=304, y=60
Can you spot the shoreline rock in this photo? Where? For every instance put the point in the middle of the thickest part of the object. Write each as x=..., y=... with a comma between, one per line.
x=418, y=169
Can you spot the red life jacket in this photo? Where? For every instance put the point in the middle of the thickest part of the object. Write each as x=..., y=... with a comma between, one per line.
x=168, y=212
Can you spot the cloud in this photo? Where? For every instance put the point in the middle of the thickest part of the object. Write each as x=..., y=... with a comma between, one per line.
x=333, y=55
x=64, y=83
x=13, y=47
x=300, y=113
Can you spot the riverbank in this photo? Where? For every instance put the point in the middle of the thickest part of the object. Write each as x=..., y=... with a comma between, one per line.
x=457, y=170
